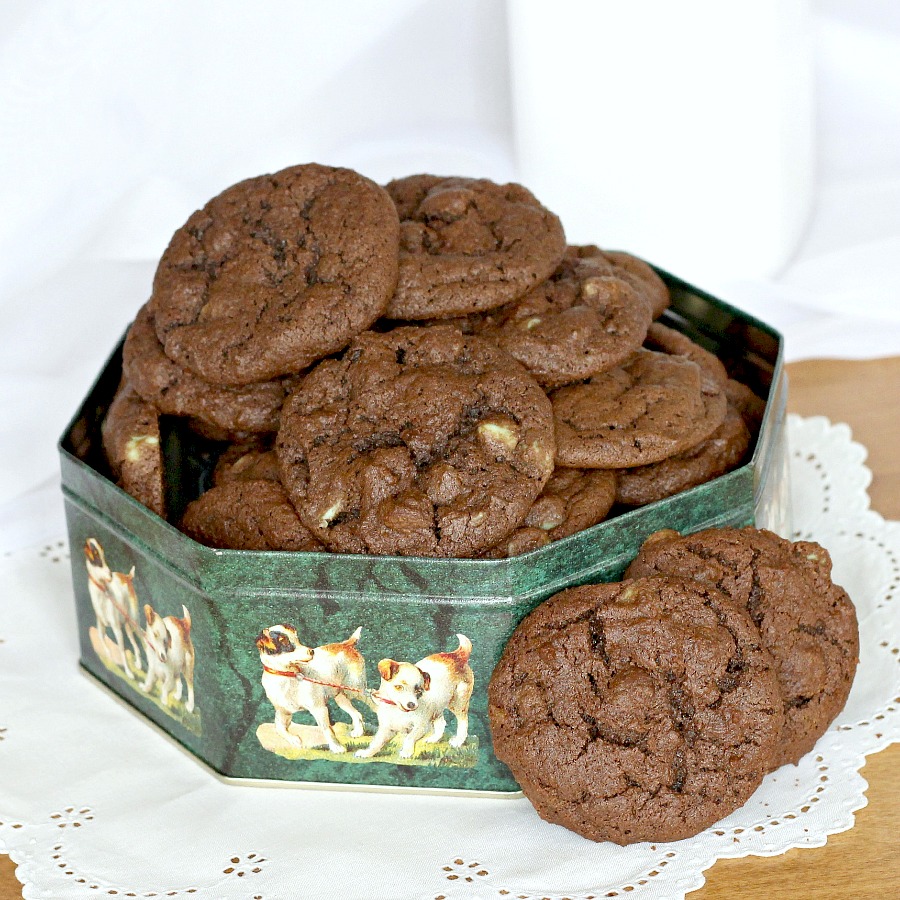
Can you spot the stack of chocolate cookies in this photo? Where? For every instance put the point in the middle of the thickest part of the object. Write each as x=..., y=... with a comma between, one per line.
x=428, y=369
x=424, y=368
x=648, y=709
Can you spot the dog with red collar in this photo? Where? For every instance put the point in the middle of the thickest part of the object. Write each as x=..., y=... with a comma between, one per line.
x=413, y=698
x=298, y=677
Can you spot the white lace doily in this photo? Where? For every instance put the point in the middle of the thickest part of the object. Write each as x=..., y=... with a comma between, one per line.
x=93, y=802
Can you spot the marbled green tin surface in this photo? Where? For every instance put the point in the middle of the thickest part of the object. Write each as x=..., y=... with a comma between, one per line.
x=179, y=630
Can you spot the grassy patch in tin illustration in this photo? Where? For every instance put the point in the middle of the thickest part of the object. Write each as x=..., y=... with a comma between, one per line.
x=313, y=746
x=173, y=706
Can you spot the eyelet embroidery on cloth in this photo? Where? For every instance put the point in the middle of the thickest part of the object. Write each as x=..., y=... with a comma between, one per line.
x=821, y=472
x=889, y=554
x=71, y=818
x=894, y=707
x=56, y=552
x=463, y=873
x=237, y=868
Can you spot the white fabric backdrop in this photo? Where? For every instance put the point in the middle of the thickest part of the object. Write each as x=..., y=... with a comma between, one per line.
x=118, y=118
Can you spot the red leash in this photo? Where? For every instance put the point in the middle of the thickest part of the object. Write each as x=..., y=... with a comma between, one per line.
x=340, y=687
x=293, y=673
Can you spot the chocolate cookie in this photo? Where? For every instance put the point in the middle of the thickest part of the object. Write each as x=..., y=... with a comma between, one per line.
x=131, y=443
x=721, y=452
x=468, y=245
x=247, y=514
x=522, y=540
x=276, y=272
x=572, y=500
x=420, y=441
x=579, y=322
x=747, y=403
x=640, y=711
x=174, y=390
x=246, y=462
x=667, y=340
x=649, y=409
x=633, y=270
x=806, y=621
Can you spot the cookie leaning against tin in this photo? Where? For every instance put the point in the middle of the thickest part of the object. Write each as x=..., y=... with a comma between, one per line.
x=276, y=272
x=806, y=621
x=419, y=441
x=579, y=322
x=721, y=452
x=644, y=710
x=751, y=407
x=247, y=514
x=667, y=340
x=650, y=408
x=468, y=245
x=131, y=443
x=174, y=390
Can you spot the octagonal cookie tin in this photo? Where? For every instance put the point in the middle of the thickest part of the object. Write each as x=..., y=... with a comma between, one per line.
x=295, y=667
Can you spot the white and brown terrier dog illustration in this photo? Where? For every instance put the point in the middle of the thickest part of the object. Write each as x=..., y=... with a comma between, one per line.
x=412, y=699
x=298, y=677
x=170, y=655
x=115, y=602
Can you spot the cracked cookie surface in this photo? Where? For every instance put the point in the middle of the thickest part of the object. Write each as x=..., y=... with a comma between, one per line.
x=468, y=245
x=722, y=451
x=572, y=500
x=175, y=391
x=644, y=710
x=246, y=461
x=419, y=441
x=650, y=408
x=807, y=622
x=580, y=321
x=247, y=514
x=276, y=272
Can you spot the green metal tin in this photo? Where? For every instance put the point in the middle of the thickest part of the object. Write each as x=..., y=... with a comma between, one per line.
x=408, y=609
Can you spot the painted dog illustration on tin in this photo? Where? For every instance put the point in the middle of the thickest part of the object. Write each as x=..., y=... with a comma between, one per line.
x=170, y=655
x=115, y=604
x=160, y=663
x=413, y=697
x=298, y=677
x=410, y=704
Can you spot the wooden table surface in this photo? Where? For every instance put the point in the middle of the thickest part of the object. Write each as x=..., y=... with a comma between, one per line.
x=865, y=860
